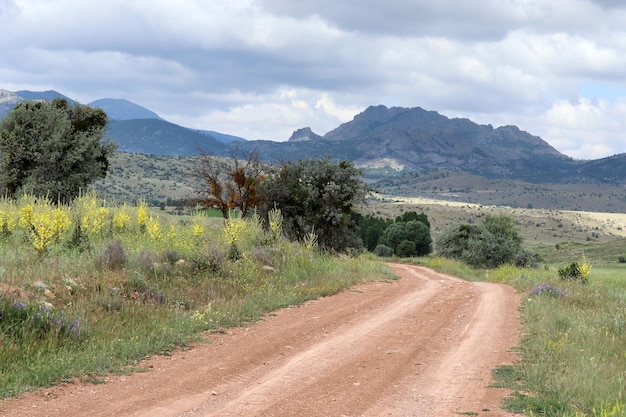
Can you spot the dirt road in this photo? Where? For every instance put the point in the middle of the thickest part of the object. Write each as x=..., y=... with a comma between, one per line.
x=423, y=345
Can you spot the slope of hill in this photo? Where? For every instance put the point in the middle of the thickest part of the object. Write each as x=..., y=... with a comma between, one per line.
x=121, y=109
x=158, y=137
x=48, y=95
x=385, y=141
x=8, y=101
x=418, y=140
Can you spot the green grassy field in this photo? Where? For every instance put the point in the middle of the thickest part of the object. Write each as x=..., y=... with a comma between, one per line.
x=87, y=289
x=572, y=357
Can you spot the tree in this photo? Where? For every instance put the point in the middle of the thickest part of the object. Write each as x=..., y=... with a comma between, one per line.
x=412, y=215
x=229, y=184
x=371, y=229
x=488, y=245
x=317, y=195
x=52, y=149
x=413, y=231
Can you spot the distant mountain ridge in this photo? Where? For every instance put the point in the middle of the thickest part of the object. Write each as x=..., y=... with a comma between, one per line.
x=385, y=141
x=122, y=109
x=133, y=127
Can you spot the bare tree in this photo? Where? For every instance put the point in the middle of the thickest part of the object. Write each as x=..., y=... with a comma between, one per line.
x=227, y=184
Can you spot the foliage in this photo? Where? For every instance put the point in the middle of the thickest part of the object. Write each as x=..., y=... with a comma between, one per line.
x=32, y=322
x=371, y=229
x=229, y=184
x=383, y=250
x=52, y=149
x=493, y=243
x=414, y=232
x=576, y=271
x=65, y=313
x=412, y=215
x=317, y=195
x=571, y=355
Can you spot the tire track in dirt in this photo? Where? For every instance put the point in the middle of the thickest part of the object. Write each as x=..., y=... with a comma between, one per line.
x=423, y=345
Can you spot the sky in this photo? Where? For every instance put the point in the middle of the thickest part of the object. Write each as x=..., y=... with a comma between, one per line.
x=261, y=69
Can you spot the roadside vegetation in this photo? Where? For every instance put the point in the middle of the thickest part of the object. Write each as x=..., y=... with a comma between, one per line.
x=89, y=289
x=573, y=349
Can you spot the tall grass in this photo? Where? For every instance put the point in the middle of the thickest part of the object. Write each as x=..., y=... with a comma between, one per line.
x=573, y=350
x=119, y=283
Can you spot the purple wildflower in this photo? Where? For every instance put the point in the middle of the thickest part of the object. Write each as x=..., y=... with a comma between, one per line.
x=19, y=305
x=549, y=290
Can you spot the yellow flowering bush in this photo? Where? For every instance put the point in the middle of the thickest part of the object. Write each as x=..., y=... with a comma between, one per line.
x=275, y=217
x=26, y=216
x=121, y=220
x=93, y=217
x=234, y=229
x=7, y=221
x=154, y=228
x=47, y=225
x=142, y=215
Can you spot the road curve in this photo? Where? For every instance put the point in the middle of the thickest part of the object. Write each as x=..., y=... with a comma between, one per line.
x=422, y=345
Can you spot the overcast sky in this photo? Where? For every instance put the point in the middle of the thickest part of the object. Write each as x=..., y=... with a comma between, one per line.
x=262, y=68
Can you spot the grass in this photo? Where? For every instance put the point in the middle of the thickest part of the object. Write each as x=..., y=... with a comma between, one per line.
x=573, y=349
x=100, y=299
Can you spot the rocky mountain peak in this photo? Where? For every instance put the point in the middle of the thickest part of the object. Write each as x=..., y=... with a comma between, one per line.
x=303, y=135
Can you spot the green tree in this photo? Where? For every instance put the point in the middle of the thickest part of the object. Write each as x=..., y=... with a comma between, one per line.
x=412, y=231
x=52, y=149
x=488, y=245
x=371, y=229
x=317, y=195
x=412, y=215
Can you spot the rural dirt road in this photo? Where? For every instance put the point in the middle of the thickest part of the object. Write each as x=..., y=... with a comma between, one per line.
x=423, y=345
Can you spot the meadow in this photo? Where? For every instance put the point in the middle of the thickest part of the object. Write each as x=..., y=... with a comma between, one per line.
x=572, y=355
x=94, y=288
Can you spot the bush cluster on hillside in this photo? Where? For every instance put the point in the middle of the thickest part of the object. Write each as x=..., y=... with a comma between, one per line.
x=408, y=235
x=490, y=244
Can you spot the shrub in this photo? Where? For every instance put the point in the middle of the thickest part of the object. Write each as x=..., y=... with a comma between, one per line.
x=549, y=290
x=112, y=256
x=383, y=250
x=23, y=321
x=493, y=243
x=576, y=271
x=572, y=272
x=413, y=231
x=406, y=248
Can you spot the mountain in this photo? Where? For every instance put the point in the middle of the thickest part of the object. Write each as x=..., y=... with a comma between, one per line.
x=303, y=135
x=122, y=109
x=385, y=141
x=159, y=137
x=222, y=137
x=184, y=140
x=414, y=139
x=48, y=95
x=8, y=101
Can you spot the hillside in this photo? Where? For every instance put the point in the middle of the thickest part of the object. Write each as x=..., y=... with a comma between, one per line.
x=413, y=139
x=121, y=109
x=390, y=143
x=160, y=138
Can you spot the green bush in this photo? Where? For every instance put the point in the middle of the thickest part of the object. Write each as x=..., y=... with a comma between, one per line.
x=493, y=243
x=383, y=250
x=406, y=248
